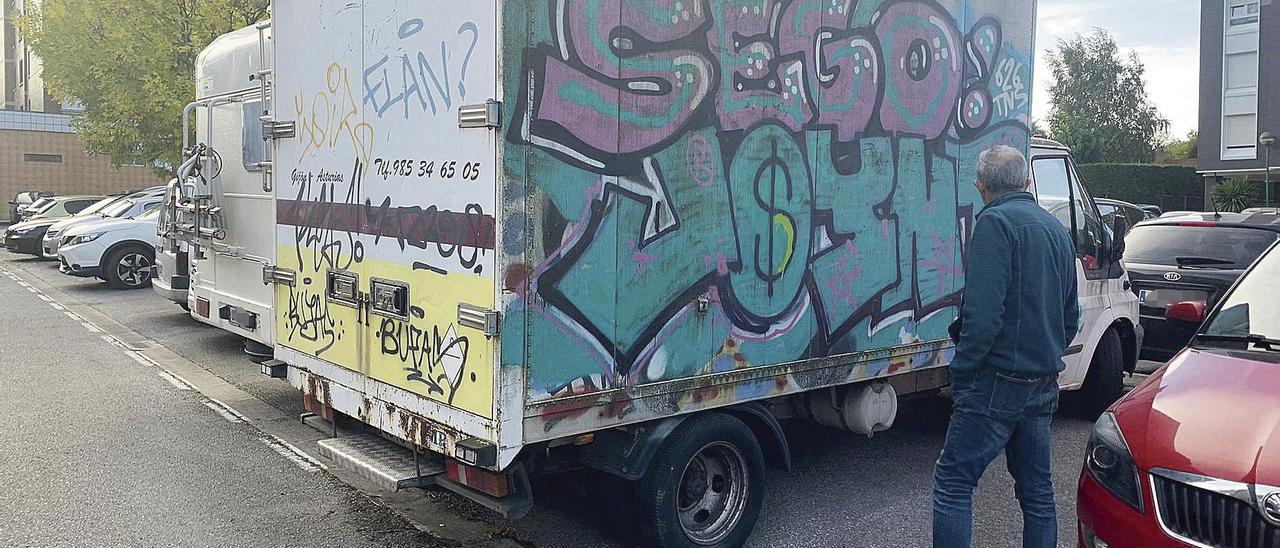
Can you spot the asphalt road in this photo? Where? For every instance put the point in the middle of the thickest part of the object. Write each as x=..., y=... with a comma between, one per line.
x=99, y=450
x=180, y=472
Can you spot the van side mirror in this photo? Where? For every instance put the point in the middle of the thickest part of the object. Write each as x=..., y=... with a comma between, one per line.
x=1119, y=231
x=1192, y=312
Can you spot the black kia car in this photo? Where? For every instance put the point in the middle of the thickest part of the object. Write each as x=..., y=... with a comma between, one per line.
x=1192, y=258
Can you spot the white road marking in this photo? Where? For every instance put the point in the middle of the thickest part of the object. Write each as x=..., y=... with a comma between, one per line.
x=223, y=412
x=295, y=455
x=229, y=410
x=138, y=358
x=178, y=382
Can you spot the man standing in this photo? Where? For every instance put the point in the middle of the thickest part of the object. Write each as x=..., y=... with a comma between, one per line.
x=1018, y=315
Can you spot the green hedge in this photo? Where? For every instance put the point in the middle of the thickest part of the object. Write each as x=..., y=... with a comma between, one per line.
x=1170, y=187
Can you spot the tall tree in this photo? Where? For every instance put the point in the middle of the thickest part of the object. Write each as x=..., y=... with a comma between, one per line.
x=1184, y=149
x=1038, y=130
x=1100, y=106
x=131, y=63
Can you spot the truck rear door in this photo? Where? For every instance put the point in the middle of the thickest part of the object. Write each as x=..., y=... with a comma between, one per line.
x=385, y=204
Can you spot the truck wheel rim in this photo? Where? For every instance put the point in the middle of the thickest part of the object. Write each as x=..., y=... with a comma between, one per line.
x=713, y=493
x=133, y=269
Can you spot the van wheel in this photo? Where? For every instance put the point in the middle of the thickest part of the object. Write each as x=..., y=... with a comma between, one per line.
x=1104, y=384
x=128, y=267
x=704, y=485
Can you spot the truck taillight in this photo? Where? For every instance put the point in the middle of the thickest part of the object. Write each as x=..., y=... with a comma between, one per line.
x=490, y=483
x=184, y=263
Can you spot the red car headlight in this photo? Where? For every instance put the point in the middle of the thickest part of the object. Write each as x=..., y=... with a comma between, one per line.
x=1110, y=462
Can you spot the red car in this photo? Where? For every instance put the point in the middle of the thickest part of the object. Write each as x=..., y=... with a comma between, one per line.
x=1192, y=456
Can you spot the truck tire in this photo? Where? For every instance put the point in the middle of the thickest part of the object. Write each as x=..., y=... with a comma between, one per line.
x=704, y=486
x=128, y=267
x=1104, y=383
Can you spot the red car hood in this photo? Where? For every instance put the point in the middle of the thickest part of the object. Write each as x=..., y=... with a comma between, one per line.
x=1209, y=412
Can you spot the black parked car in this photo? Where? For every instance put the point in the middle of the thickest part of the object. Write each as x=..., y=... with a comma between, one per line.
x=25, y=237
x=1192, y=258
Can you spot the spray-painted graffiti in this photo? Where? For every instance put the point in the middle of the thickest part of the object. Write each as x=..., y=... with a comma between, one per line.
x=735, y=183
x=435, y=359
x=321, y=244
x=331, y=117
x=422, y=80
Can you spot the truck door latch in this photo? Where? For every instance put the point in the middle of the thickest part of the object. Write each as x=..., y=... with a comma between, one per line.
x=343, y=288
x=389, y=298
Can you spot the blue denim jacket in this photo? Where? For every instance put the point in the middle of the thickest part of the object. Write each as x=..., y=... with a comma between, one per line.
x=1020, y=306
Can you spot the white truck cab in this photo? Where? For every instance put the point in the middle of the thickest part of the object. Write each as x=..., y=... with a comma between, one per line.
x=1110, y=335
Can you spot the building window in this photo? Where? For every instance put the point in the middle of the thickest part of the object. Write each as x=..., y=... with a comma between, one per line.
x=42, y=158
x=1240, y=80
x=1243, y=14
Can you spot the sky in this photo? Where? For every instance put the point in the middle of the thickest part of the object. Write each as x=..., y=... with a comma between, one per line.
x=1164, y=33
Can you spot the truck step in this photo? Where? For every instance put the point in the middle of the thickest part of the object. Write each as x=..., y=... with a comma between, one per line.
x=387, y=464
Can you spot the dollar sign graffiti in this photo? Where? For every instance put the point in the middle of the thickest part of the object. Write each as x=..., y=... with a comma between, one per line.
x=771, y=174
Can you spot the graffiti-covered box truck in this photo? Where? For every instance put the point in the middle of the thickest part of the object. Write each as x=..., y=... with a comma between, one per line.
x=631, y=236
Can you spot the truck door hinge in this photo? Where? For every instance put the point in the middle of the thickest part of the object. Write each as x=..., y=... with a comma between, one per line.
x=276, y=275
x=484, y=115
x=276, y=129
x=478, y=318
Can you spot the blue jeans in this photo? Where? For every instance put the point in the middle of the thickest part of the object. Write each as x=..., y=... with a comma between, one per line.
x=997, y=412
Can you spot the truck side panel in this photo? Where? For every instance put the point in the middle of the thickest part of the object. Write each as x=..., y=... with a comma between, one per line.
x=731, y=200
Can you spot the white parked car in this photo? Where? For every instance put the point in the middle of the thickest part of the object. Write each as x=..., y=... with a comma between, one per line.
x=123, y=207
x=119, y=251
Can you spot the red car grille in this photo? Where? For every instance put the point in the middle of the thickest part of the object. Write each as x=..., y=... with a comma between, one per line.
x=1210, y=518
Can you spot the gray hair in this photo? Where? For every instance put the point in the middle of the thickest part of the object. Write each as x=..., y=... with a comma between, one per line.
x=1002, y=169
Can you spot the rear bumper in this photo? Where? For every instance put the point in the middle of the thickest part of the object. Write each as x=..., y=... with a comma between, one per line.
x=1107, y=521
x=173, y=288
